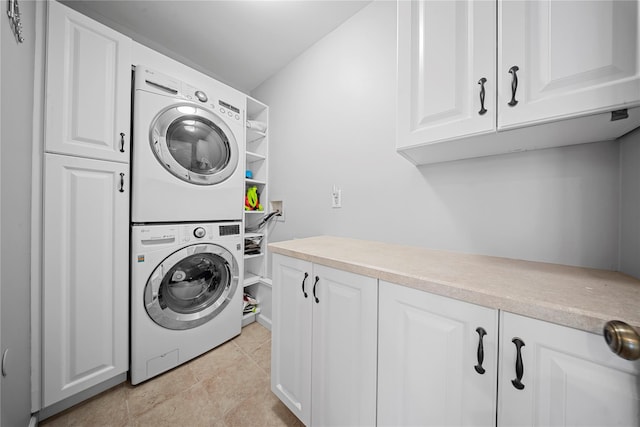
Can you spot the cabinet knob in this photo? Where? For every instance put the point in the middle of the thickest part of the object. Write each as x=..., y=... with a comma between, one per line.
x=622, y=339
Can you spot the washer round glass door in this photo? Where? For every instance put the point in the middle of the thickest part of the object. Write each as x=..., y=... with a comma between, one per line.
x=194, y=144
x=191, y=286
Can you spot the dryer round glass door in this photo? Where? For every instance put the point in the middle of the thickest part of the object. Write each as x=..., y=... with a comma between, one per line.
x=194, y=144
x=191, y=286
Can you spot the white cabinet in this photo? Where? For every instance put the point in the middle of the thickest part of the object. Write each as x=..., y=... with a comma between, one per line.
x=291, y=335
x=324, y=338
x=446, y=70
x=556, y=60
x=545, y=374
x=572, y=57
x=437, y=360
x=85, y=274
x=256, y=281
x=88, y=87
x=569, y=377
x=85, y=287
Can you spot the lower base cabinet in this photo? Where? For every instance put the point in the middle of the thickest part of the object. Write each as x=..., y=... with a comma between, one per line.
x=546, y=374
x=440, y=361
x=437, y=360
x=324, y=336
x=85, y=286
x=569, y=377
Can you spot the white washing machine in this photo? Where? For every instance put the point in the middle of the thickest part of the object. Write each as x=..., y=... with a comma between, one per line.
x=186, y=293
x=188, y=145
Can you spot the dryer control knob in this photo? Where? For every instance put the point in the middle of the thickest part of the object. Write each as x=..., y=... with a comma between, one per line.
x=199, y=232
x=202, y=97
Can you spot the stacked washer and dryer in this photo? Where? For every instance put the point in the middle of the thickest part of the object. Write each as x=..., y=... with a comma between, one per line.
x=186, y=213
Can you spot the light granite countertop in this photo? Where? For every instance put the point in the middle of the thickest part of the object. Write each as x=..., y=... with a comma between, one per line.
x=582, y=298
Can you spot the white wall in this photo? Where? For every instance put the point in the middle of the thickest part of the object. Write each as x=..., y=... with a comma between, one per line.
x=332, y=121
x=16, y=132
x=142, y=55
x=630, y=204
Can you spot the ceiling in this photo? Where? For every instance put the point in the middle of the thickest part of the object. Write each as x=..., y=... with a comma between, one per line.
x=239, y=42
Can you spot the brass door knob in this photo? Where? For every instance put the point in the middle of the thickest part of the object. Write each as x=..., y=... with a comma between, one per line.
x=622, y=339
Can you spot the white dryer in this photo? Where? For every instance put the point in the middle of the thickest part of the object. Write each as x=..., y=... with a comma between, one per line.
x=186, y=293
x=188, y=143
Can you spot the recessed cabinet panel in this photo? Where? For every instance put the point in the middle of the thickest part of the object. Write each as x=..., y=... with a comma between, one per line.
x=344, y=347
x=569, y=377
x=85, y=274
x=573, y=57
x=88, y=91
x=291, y=330
x=441, y=97
x=446, y=70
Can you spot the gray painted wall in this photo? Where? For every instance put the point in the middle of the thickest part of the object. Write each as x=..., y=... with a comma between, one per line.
x=16, y=115
x=630, y=204
x=332, y=121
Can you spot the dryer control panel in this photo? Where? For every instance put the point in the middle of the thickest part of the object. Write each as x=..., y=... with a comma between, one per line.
x=162, y=234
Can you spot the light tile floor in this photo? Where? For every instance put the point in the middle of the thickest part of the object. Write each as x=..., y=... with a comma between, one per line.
x=227, y=387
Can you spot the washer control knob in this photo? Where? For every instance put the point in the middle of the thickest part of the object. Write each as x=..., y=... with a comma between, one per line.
x=199, y=232
x=202, y=97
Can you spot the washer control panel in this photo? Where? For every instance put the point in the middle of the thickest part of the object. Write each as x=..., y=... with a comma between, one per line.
x=228, y=110
x=219, y=106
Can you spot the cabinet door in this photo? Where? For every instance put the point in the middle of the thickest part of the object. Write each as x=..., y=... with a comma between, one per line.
x=85, y=292
x=445, y=49
x=573, y=57
x=344, y=348
x=569, y=376
x=428, y=360
x=291, y=334
x=88, y=90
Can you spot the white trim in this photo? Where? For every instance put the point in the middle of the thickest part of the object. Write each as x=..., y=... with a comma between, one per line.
x=36, y=202
x=1, y=348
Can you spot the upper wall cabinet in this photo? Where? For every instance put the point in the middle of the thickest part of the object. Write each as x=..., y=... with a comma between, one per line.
x=88, y=91
x=562, y=58
x=562, y=68
x=446, y=69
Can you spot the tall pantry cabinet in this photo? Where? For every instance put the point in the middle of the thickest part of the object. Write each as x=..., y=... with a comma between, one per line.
x=86, y=200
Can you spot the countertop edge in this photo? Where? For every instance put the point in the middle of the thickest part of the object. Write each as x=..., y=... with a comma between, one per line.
x=561, y=314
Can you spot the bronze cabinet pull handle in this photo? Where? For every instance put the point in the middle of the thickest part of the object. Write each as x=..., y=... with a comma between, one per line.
x=514, y=85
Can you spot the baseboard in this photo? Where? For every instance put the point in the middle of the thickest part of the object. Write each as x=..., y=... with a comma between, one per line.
x=80, y=397
x=264, y=321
